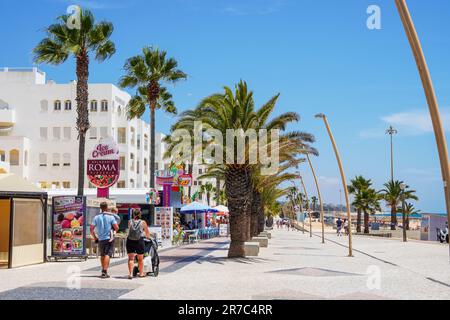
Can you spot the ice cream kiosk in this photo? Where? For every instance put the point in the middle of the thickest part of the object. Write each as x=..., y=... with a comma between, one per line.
x=23, y=216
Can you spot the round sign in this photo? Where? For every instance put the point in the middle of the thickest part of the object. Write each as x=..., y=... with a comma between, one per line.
x=103, y=164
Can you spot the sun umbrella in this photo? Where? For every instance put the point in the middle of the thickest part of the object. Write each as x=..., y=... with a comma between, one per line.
x=196, y=207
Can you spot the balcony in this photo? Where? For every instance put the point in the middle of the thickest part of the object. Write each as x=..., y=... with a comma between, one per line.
x=7, y=118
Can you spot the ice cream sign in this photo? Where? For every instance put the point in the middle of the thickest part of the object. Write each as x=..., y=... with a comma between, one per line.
x=103, y=164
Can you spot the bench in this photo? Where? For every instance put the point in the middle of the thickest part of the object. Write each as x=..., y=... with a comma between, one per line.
x=265, y=234
x=251, y=249
x=263, y=241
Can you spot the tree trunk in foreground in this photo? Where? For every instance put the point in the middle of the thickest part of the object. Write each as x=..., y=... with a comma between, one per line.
x=152, y=153
x=255, y=213
x=238, y=189
x=82, y=115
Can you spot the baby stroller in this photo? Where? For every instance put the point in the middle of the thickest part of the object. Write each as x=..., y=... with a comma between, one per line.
x=151, y=259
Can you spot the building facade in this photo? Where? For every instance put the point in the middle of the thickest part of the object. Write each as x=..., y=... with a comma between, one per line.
x=38, y=137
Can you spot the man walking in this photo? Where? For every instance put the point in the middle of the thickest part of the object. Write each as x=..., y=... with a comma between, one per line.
x=105, y=223
x=339, y=227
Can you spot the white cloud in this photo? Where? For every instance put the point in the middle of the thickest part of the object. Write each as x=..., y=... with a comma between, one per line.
x=414, y=122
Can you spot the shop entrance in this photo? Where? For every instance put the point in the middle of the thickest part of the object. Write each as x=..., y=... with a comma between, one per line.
x=5, y=213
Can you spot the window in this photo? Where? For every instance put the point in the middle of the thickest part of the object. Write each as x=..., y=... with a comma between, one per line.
x=104, y=106
x=66, y=184
x=200, y=183
x=42, y=159
x=93, y=106
x=55, y=184
x=133, y=133
x=44, y=105
x=137, y=166
x=56, y=160
x=56, y=133
x=67, y=133
x=68, y=105
x=145, y=142
x=119, y=111
x=57, y=105
x=131, y=183
x=121, y=185
x=25, y=158
x=93, y=133
x=43, y=184
x=200, y=171
x=145, y=166
x=2, y=155
x=132, y=162
x=122, y=162
x=122, y=135
x=43, y=133
x=103, y=132
x=14, y=157
x=139, y=142
x=66, y=159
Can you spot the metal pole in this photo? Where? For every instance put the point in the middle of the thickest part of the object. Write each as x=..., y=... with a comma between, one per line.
x=307, y=206
x=430, y=94
x=391, y=131
x=344, y=183
x=320, y=197
x=404, y=218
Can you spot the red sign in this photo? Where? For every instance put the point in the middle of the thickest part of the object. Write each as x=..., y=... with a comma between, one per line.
x=185, y=180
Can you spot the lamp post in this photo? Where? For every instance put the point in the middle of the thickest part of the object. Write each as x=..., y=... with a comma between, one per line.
x=344, y=183
x=307, y=204
x=403, y=187
x=320, y=196
x=391, y=131
x=430, y=94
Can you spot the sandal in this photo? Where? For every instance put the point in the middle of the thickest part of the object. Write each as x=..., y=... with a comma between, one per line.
x=142, y=276
x=130, y=277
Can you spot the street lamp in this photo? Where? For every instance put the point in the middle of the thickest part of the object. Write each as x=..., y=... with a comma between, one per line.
x=344, y=183
x=320, y=196
x=391, y=131
x=307, y=203
x=403, y=188
x=430, y=94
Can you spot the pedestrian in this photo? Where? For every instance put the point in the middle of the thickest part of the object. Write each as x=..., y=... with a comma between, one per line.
x=104, y=223
x=137, y=231
x=339, y=227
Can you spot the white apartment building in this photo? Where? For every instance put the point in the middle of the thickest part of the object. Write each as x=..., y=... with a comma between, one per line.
x=38, y=137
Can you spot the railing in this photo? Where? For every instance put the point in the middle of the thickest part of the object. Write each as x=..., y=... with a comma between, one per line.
x=7, y=69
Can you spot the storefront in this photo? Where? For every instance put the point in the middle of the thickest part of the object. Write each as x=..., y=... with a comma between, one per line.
x=23, y=216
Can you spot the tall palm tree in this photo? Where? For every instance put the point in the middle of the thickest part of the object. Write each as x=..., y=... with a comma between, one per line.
x=369, y=200
x=356, y=187
x=148, y=72
x=392, y=194
x=314, y=202
x=60, y=43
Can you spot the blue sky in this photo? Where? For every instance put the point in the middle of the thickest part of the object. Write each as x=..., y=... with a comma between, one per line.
x=318, y=54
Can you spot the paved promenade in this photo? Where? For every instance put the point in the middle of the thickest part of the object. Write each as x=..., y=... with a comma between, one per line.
x=294, y=266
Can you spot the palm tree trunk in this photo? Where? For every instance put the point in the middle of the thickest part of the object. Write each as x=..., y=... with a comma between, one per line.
x=407, y=222
x=218, y=192
x=393, y=217
x=261, y=218
x=152, y=151
x=82, y=115
x=358, y=220
x=255, y=218
x=238, y=189
x=366, y=222
x=249, y=218
x=208, y=198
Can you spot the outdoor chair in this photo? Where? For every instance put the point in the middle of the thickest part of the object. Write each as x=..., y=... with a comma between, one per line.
x=193, y=238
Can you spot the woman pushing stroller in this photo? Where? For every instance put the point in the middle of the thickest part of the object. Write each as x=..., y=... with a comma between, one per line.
x=137, y=231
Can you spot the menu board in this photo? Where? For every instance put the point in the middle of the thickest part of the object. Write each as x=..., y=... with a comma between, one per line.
x=164, y=218
x=68, y=226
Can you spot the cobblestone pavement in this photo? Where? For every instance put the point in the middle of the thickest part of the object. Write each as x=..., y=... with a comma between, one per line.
x=294, y=266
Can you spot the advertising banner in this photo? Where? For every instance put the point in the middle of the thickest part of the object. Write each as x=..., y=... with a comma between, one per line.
x=103, y=164
x=68, y=226
x=164, y=218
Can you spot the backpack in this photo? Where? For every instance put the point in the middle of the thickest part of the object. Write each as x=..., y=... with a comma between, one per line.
x=135, y=231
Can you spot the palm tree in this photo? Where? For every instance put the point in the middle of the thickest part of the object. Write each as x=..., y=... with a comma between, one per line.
x=370, y=203
x=409, y=210
x=356, y=187
x=314, y=202
x=147, y=72
x=234, y=110
x=207, y=188
x=392, y=194
x=61, y=42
